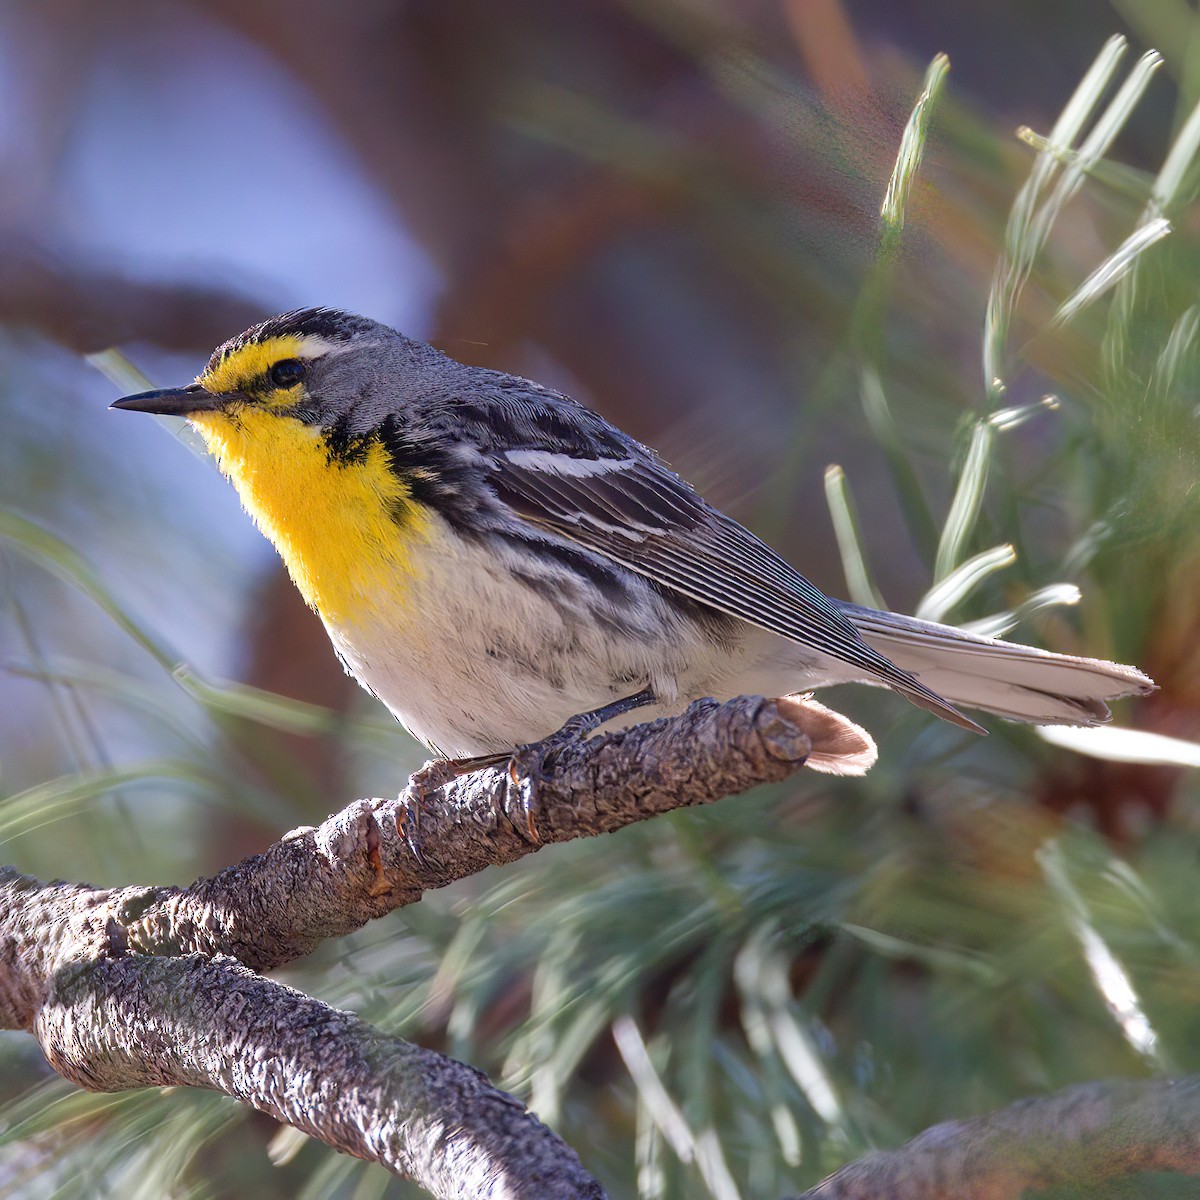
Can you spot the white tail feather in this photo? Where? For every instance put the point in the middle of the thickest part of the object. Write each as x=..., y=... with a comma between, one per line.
x=1010, y=680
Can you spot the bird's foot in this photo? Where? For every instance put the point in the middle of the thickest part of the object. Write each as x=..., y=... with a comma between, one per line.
x=527, y=765
x=438, y=772
x=531, y=765
x=427, y=781
x=543, y=756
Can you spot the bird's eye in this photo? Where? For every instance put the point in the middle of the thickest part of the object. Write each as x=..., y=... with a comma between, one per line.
x=286, y=373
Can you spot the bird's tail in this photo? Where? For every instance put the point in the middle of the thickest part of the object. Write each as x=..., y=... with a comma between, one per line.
x=1013, y=681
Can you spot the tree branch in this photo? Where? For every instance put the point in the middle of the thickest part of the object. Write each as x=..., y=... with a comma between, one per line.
x=136, y=986
x=1082, y=1137
x=134, y=1021
x=377, y=855
x=130, y=987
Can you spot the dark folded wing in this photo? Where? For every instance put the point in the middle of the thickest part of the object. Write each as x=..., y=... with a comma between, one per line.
x=636, y=512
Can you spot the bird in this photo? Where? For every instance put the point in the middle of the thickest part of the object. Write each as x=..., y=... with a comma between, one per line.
x=494, y=560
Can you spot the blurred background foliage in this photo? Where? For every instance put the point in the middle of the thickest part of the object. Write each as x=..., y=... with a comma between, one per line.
x=671, y=209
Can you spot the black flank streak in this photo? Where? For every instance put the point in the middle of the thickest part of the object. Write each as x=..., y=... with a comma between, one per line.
x=514, y=658
x=434, y=475
x=545, y=586
x=608, y=579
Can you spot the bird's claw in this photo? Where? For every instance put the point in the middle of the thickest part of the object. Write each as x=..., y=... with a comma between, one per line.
x=408, y=825
x=532, y=765
x=523, y=779
x=434, y=776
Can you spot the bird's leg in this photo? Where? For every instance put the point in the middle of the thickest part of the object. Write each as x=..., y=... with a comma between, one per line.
x=549, y=749
x=535, y=761
x=542, y=756
x=438, y=772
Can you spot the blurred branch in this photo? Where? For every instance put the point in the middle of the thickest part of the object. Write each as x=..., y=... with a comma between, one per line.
x=131, y=987
x=831, y=51
x=87, y=309
x=1079, y=1137
x=543, y=244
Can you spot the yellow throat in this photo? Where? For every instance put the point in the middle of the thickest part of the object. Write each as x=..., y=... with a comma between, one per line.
x=345, y=528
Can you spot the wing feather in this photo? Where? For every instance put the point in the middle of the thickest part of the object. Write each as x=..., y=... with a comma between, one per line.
x=645, y=517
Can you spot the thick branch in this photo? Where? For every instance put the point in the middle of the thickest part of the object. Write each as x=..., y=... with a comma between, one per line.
x=377, y=855
x=133, y=986
x=1081, y=1136
x=182, y=1013
x=135, y=1021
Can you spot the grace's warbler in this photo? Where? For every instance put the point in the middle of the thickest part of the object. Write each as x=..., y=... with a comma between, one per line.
x=491, y=558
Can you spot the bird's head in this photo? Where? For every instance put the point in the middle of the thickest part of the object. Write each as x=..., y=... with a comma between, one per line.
x=313, y=365
x=295, y=411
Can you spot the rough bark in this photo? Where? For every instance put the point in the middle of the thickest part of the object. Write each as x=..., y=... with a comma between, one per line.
x=1078, y=1137
x=130, y=987
x=377, y=855
x=115, y=1023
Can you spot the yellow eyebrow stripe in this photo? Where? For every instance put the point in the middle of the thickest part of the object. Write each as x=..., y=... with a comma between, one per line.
x=250, y=362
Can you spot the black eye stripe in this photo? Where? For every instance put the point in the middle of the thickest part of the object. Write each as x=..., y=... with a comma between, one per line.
x=286, y=373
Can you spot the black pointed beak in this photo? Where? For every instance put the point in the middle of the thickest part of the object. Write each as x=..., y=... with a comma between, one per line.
x=174, y=402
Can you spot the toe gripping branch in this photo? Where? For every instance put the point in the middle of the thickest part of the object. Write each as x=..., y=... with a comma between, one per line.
x=526, y=767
